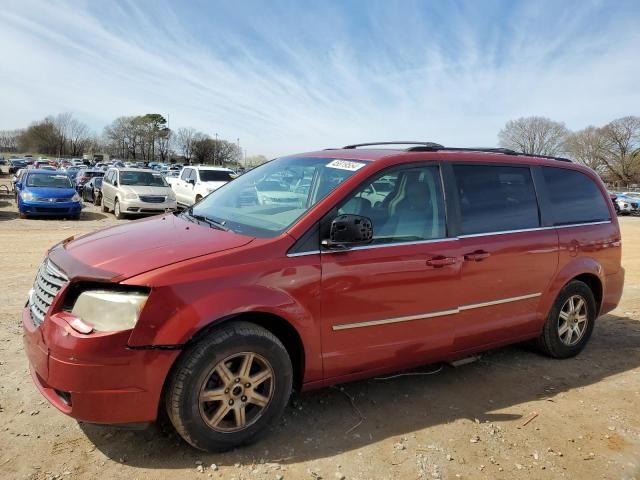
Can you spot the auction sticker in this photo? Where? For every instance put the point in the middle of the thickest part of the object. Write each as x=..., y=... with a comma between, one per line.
x=345, y=165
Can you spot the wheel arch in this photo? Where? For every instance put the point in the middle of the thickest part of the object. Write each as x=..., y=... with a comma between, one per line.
x=277, y=325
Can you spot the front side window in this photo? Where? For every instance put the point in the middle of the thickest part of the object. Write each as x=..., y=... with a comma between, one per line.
x=269, y=199
x=185, y=174
x=496, y=198
x=574, y=196
x=404, y=205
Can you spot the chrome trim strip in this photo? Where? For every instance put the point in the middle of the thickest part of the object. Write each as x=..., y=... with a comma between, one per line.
x=604, y=222
x=303, y=254
x=498, y=302
x=441, y=313
x=345, y=326
x=447, y=239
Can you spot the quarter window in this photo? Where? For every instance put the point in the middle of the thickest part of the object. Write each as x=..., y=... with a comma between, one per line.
x=405, y=205
x=496, y=198
x=574, y=196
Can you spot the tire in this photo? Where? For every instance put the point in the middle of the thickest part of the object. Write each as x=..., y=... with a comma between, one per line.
x=198, y=198
x=97, y=200
x=22, y=215
x=116, y=210
x=104, y=208
x=558, y=342
x=197, y=368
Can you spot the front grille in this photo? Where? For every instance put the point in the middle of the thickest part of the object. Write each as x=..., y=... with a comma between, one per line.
x=152, y=198
x=52, y=200
x=49, y=280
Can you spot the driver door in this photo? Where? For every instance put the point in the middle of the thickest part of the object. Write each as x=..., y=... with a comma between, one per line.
x=391, y=304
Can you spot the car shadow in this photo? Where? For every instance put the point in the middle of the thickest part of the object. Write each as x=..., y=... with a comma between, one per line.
x=88, y=216
x=321, y=423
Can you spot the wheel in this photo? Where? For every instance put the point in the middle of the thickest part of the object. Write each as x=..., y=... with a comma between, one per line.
x=104, y=208
x=116, y=210
x=22, y=215
x=570, y=321
x=97, y=200
x=227, y=389
x=198, y=198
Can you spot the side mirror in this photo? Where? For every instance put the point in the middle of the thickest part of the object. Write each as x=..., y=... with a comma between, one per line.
x=192, y=182
x=349, y=231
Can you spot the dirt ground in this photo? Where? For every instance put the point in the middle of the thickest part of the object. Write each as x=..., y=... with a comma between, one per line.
x=473, y=421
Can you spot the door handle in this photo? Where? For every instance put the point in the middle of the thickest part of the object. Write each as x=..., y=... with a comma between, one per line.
x=440, y=261
x=476, y=256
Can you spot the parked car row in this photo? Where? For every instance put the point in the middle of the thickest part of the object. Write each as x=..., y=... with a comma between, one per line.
x=626, y=203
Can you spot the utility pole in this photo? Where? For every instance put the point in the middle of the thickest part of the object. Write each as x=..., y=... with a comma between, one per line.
x=215, y=151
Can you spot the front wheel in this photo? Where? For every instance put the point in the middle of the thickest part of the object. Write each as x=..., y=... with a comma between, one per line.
x=570, y=322
x=229, y=388
x=116, y=210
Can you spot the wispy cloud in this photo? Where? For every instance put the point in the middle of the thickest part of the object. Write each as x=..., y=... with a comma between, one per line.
x=290, y=76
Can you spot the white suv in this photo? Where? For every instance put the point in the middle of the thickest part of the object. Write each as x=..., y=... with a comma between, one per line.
x=196, y=183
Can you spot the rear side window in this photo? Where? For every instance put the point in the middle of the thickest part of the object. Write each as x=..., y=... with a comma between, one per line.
x=496, y=198
x=575, y=197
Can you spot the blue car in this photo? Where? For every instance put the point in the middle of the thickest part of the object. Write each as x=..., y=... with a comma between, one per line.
x=46, y=192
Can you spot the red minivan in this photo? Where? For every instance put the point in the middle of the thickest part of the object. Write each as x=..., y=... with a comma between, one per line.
x=316, y=269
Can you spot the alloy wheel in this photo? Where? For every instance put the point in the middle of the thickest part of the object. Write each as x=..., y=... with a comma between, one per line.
x=236, y=392
x=573, y=320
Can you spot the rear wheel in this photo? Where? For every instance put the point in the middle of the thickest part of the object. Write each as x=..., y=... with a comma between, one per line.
x=116, y=210
x=198, y=198
x=227, y=389
x=97, y=200
x=570, y=322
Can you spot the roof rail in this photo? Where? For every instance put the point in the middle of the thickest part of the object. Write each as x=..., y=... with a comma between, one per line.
x=433, y=145
x=506, y=151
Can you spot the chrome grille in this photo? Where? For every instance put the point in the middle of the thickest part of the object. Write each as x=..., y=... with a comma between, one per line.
x=49, y=280
x=152, y=198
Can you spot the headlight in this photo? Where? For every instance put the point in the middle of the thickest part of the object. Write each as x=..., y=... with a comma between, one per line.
x=130, y=196
x=109, y=311
x=75, y=198
x=26, y=195
x=171, y=197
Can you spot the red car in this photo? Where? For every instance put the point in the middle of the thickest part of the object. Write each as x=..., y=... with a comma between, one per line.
x=299, y=274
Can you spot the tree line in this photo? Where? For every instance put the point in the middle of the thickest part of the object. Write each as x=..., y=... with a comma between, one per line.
x=612, y=150
x=142, y=138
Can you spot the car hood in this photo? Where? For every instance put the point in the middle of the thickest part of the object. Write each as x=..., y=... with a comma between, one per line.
x=123, y=251
x=48, y=192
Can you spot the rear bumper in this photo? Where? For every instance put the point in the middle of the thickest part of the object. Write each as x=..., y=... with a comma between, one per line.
x=95, y=378
x=612, y=291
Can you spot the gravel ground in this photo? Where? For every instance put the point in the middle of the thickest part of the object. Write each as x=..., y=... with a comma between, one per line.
x=512, y=414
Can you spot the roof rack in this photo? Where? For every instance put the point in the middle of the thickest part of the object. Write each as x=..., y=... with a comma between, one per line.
x=435, y=147
x=506, y=151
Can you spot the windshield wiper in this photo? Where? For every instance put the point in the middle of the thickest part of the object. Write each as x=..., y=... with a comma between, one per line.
x=209, y=221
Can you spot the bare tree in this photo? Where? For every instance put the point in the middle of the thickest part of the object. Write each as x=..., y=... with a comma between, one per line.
x=185, y=137
x=9, y=140
x=534, y=135
x=78, y=137
x=620, y=151
x=586, y=147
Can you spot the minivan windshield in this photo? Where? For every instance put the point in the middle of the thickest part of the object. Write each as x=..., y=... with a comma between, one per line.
x=143, y=179
x=215, y=176
x=49, y=181
x=269, y=199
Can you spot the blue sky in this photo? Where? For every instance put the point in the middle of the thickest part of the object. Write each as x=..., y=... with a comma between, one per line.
x=288, y=76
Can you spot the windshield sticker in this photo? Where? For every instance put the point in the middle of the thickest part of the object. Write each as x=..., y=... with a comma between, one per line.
x=345, y=165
